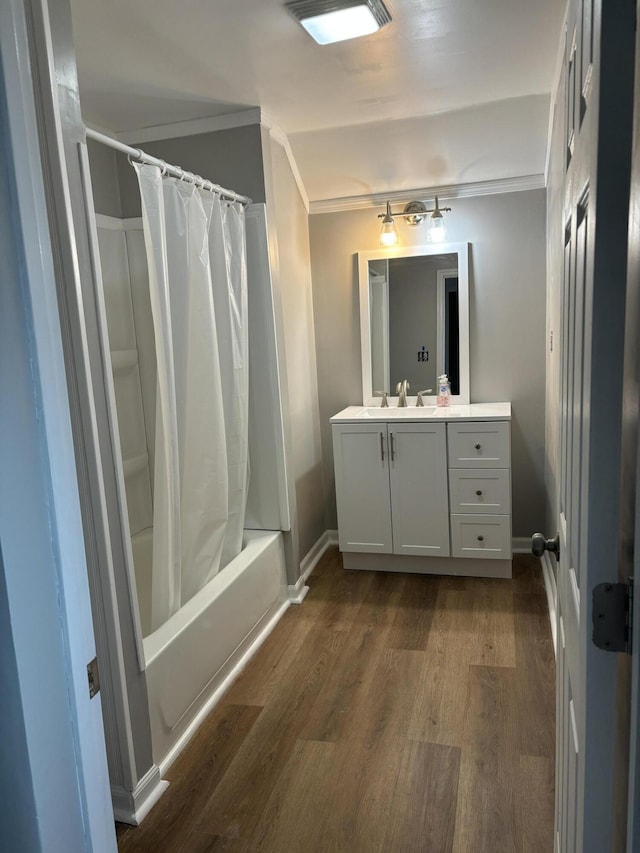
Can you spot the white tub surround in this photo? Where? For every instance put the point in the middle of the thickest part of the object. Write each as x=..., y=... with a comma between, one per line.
x=195, y=655
x=425, y=489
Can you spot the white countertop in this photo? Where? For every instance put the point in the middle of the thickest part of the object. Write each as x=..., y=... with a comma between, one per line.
x=470, y=412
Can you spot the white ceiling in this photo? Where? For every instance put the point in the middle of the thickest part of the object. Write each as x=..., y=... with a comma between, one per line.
x=481, y=61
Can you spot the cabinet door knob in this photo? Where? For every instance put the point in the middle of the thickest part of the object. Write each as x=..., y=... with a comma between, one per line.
x=480, y=538
x=478, y=492
x=478, y=446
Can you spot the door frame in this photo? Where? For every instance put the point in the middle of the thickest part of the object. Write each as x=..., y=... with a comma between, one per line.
x=442, y=276
x=52, y=419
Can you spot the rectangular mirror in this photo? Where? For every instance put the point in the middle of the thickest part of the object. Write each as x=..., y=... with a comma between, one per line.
x=414, y=320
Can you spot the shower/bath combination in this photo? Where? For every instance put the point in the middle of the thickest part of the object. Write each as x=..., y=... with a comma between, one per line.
x=184, y=289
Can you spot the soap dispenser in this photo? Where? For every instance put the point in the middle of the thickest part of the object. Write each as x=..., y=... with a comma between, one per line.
x=444, y=391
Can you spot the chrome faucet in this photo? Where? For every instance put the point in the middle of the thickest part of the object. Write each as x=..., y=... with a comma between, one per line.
x=419, y=400
x=401, y=390
x=385, y=399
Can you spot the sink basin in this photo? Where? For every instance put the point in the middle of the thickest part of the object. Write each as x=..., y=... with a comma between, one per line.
x=394, y=412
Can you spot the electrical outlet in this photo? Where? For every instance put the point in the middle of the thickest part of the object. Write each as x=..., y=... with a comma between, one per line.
x=423, y=355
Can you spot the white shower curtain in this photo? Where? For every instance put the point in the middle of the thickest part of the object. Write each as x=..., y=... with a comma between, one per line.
x=229, y=278
x=192, y=470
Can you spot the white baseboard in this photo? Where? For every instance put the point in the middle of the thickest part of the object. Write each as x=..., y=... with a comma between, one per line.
x=521, y=544
x=233, y=672
x=552, y=596
x=298, y=591
x=133, y=806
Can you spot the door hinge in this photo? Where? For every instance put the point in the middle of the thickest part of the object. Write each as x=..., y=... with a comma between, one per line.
x=94, y=677
x=613, y=616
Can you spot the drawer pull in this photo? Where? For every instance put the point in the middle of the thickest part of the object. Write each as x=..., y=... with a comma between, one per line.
x=478, y=446
x=480, y=538
x=479, y=492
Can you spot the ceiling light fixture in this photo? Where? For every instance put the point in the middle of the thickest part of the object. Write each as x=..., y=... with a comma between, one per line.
x=329, y=21
x=414, y=214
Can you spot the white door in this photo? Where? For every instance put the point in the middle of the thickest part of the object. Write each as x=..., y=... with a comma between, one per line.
x=597, y=124
x=361, y=461
x=419, y=489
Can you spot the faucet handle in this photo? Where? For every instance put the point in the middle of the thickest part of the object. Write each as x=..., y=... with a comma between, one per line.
x=385, y=399
x=420, y=401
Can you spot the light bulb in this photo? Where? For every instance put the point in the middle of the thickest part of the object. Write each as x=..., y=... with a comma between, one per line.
x=437, y=230
x=388, y=233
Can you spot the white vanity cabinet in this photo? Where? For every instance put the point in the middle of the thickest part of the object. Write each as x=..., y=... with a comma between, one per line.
x=425, y=492
x=391, y=488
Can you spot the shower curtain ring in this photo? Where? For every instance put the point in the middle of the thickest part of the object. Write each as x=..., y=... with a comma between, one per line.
x=139, y=157
x=164, y=170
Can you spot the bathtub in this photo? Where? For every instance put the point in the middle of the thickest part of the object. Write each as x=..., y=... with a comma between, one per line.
x=194, y=656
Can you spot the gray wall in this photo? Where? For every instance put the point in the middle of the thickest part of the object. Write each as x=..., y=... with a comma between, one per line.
x=507, y=335
x=295, y=285
x=231, y=158
x=103, y=162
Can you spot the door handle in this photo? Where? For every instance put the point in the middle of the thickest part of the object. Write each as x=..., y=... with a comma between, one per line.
x=382, y=446
x=539, y=545
x=393, y=447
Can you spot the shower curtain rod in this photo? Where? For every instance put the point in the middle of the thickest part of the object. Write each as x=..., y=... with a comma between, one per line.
x=167, y=169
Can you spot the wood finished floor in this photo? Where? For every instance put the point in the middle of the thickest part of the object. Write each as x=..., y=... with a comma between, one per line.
x=387, y=713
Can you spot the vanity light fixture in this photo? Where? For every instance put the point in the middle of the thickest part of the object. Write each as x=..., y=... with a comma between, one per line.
x=414, y=214
x=329, y=21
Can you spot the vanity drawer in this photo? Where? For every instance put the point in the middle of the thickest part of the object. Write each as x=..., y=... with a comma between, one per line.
x=479, y=445
x=485, y=491
x=487, y=536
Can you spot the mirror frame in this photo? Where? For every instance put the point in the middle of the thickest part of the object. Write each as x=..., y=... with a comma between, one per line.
x=462, y=251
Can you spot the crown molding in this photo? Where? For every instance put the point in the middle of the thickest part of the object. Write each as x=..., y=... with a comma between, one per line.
x=256, y=115
x=445, y=192
x=278, y=135
x=191, y=127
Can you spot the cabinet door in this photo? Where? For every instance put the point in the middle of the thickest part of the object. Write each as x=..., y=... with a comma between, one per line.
x=361, y=464
x=419, y=489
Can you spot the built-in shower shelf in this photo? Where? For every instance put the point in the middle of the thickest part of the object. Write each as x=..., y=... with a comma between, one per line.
x=123, y=359
x=135, y=464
